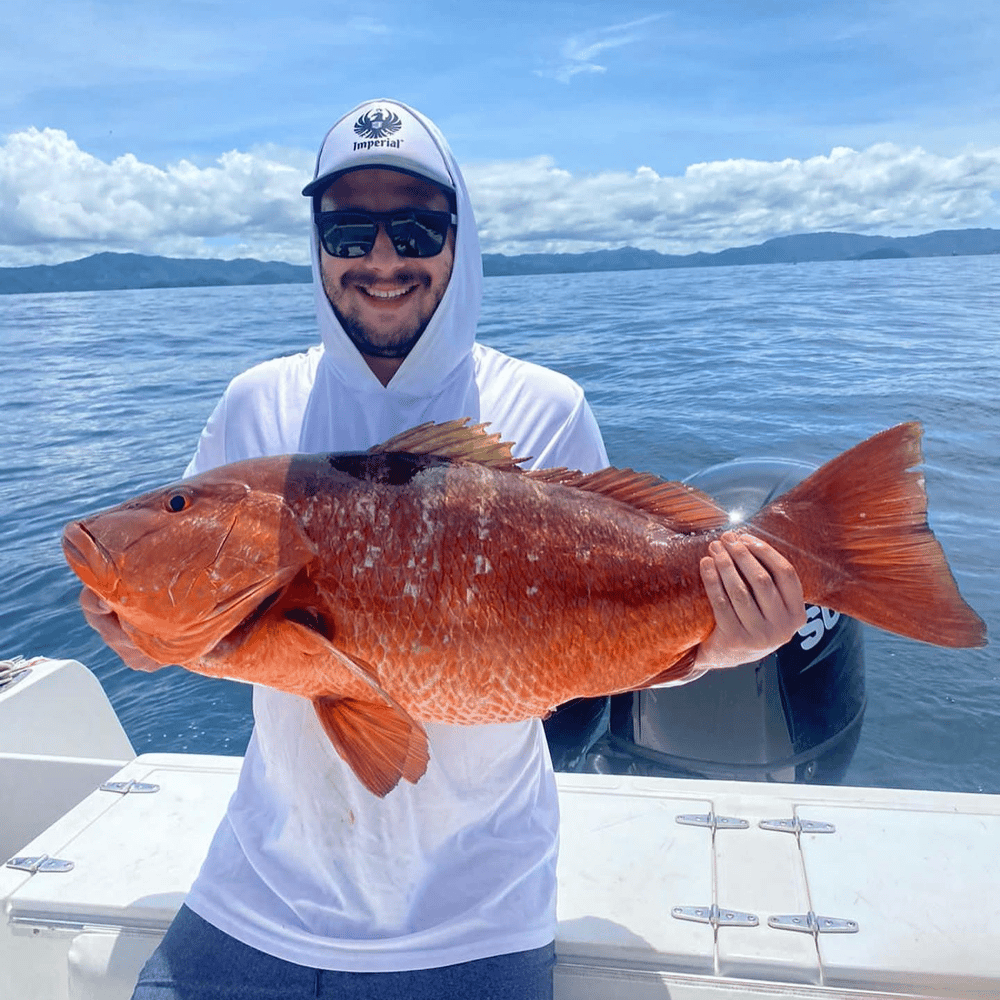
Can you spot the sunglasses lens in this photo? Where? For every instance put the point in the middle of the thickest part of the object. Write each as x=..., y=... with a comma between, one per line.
x=345, y=235
x=414, y=232
x=419, y=234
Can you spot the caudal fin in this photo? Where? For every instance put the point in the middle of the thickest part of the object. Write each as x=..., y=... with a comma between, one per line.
x=856, y=531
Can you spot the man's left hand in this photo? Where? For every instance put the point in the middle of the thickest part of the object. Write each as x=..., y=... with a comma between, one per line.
x=756, y=597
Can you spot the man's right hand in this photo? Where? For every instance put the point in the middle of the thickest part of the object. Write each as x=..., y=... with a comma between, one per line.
x=105, y=622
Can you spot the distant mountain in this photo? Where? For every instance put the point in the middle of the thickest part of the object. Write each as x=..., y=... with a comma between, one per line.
x=883, y=253
x=129, y=270
x=105, y=271
x=781, y=250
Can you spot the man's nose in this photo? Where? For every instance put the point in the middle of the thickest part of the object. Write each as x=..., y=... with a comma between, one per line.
x=383, y=250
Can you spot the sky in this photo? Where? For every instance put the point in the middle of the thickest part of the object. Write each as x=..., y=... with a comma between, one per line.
x=187, y=128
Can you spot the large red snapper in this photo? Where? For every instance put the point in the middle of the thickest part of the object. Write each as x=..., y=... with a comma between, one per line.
x=431, y=579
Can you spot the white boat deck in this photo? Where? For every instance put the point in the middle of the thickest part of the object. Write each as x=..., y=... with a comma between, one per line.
x=895, y=893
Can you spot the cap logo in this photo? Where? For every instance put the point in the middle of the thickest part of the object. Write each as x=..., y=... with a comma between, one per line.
x=377, y=124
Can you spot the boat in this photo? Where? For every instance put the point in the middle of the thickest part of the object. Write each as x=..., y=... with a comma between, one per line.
x=669, y=888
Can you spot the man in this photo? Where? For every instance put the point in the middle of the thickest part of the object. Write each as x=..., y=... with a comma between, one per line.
x=444, y=888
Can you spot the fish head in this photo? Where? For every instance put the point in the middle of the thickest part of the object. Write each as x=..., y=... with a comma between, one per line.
x=180, y=567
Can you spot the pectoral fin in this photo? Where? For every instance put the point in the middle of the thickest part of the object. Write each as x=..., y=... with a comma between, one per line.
x=379, y=741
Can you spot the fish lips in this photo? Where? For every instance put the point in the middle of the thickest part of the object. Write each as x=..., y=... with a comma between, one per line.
x=88, y=558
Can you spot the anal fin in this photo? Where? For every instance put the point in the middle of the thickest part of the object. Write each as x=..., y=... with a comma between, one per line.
x=677, y=671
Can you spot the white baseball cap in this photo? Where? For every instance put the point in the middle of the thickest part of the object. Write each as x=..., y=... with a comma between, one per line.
x=382, y=133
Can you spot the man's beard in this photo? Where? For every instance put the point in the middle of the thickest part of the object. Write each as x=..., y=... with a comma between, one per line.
x=360, y=338
x=361, y=335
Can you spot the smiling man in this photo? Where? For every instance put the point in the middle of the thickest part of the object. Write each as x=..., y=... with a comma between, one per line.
x=314, y=887
x=384, y=293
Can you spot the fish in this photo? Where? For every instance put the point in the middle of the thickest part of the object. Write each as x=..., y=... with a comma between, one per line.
x=433, y=579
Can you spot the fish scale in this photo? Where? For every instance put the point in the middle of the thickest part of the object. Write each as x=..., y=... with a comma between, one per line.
x=594, y=588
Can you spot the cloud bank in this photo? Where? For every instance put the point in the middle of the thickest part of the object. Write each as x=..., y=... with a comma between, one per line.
x=533, y=206
x=58, y=202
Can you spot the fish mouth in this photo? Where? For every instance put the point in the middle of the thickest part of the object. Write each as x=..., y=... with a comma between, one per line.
x=87, y=557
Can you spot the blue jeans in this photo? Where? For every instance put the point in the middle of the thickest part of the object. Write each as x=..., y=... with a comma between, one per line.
x=196, y=961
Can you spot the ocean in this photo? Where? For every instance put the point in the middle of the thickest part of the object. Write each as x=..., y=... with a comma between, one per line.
x=104, y=395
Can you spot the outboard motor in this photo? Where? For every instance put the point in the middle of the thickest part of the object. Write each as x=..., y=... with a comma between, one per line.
x=794, y=715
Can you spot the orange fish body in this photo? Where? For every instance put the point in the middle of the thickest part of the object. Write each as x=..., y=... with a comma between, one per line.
x=479, y=596
x=433, y=580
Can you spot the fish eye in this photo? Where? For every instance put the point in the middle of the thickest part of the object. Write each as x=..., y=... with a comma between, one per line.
x=178, y=502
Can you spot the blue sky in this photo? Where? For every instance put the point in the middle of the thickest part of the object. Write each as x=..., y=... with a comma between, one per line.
x=187, y=127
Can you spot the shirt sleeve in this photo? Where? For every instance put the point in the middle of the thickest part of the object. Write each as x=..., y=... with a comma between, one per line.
x=211, y=450
x=576, y=444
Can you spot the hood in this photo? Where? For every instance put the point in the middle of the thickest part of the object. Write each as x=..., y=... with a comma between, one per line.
x=435, y=381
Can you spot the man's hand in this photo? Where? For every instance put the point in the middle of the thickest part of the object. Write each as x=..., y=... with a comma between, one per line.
x=105, y=622
x=756, y=597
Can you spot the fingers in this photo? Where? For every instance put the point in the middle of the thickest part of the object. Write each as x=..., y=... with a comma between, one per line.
x=734, y=606
x=105, y=622
x=781, y=574
x=760, y=583
x=756, y=597
x=742, y=581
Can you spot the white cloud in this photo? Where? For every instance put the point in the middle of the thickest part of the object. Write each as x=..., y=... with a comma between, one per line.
x=533, y=206
x=578, y=51
x=58, y=202
x=365, y=24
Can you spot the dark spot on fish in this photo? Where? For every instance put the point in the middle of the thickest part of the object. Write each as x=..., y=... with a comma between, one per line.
x=387, y=468
x=262, y=607
x=308, y=617
x=231, y=642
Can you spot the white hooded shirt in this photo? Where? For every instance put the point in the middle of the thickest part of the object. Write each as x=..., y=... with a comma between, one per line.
x=307, y=865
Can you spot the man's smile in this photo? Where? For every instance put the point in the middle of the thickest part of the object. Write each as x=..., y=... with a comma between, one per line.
x=388, y=294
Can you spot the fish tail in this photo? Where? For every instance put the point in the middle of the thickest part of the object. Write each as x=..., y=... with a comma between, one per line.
x=856, y=531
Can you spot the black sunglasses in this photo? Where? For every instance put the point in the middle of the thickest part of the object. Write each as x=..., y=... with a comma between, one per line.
x=415, y=232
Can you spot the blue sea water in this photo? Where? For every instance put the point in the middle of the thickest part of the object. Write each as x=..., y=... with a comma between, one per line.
x=104, y=395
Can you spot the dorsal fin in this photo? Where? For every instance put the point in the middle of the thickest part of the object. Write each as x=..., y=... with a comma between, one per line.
x=682, y=508
x=457, y=440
